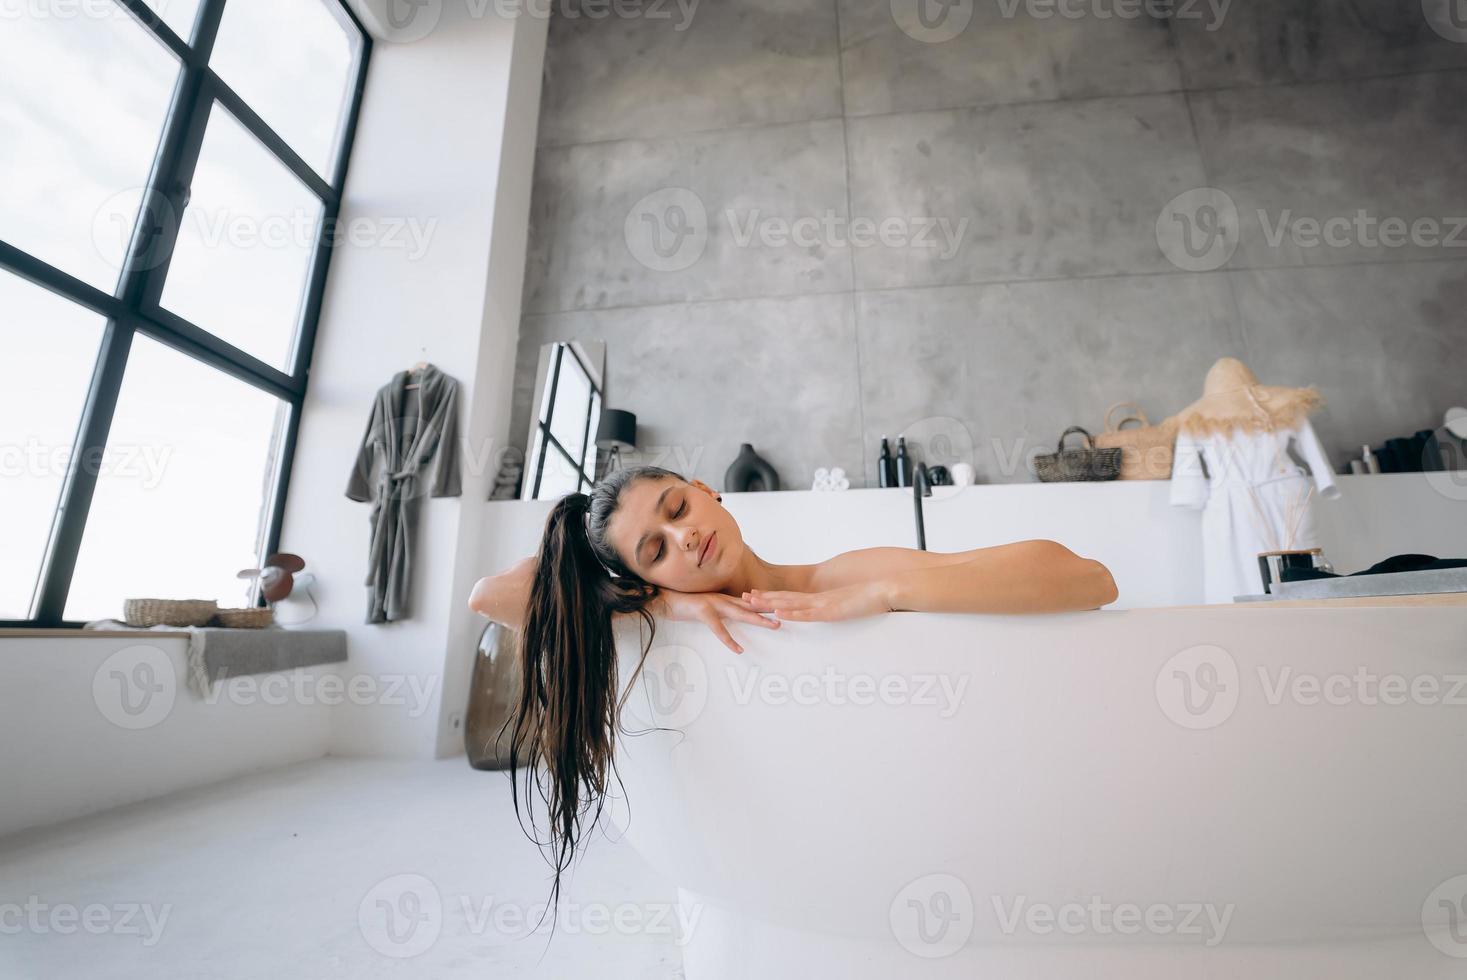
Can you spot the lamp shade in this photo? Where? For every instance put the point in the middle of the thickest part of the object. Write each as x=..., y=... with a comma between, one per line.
x=617, y=430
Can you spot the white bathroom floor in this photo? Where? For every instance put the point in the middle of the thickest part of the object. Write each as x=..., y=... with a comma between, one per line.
x=333, y=868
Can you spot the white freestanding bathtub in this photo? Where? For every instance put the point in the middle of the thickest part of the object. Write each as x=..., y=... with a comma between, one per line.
x=1169, y=793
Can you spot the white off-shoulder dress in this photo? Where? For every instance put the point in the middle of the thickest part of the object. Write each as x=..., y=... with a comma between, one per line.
x=1253, y=496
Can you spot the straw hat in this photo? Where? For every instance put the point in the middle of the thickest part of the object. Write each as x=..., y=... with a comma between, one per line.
x=1232, y=399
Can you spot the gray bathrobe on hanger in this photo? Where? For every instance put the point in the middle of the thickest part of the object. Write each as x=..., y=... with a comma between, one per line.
x=407, y=428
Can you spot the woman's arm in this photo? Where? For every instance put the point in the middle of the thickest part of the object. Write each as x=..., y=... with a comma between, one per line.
x=505, y=598
x=1023, y=577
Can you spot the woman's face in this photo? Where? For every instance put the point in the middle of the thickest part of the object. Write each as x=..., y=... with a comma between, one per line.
x=676, y=535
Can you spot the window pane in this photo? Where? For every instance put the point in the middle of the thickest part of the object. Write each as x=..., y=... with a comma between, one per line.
x=178, y=14
x=244, y=248
x=82, y=104
x=572, y=397
x=291, y=61
x=50, y=346
x=559, y=477
x=532, y=465
x=590, y=464
x=549, y=377
x=188, y=502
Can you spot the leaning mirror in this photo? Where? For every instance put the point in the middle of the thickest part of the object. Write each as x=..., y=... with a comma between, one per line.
x=562, y=455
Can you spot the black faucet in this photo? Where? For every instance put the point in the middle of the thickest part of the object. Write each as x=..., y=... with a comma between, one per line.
x=920, y=488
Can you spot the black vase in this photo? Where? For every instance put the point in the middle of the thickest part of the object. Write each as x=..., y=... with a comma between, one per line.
x=750, y=471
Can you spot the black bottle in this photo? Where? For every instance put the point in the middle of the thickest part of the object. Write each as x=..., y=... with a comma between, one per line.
x=903, y=463
x=885, y=466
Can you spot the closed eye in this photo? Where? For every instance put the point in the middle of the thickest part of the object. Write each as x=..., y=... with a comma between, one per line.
x=661, y=548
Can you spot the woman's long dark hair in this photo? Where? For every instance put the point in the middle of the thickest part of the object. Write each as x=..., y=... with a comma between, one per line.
x=566, y=718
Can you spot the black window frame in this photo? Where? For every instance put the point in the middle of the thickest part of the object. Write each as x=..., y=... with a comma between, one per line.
x=133, y=307
x=547, y=440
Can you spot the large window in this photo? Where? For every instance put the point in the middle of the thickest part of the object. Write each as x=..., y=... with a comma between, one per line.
x=172, y=174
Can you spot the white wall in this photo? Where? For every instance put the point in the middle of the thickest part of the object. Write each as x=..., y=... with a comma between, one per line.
x=446, y=138
x=64, y=754
x=487, y=429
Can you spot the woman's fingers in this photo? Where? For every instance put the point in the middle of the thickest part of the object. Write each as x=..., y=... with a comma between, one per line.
x=753, y=617
x=716, y=625
x=798, y=598
x=744, y=611
x=819, y=606
x=778, y=602
x=734, y=609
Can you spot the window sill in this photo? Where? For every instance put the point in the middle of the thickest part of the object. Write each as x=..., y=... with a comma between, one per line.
x=70, y=633
x=214, y=653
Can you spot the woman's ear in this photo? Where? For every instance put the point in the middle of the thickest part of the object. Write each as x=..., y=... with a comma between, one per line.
x=706, y=489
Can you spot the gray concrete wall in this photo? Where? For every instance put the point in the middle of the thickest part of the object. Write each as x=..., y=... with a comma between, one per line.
x=1068, y=150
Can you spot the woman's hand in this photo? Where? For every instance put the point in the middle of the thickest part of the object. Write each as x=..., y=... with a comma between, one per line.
x=712, y=608
x=846, y=602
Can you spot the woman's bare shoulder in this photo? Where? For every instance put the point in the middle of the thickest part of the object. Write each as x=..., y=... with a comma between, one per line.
x=865, y=564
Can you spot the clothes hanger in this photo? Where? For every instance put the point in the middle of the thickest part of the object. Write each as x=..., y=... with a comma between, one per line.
x=417, y=368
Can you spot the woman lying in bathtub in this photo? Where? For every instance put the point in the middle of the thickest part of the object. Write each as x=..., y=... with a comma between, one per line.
x=647, y=542
x=676, y=552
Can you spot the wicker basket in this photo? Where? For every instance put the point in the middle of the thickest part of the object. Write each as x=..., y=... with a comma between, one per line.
x=168, y=612
x=247, y=618
x=1067, y=465
x=1146, y=452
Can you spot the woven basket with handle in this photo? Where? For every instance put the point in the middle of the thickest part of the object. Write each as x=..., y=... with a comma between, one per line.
x=168, y=612
x=1067, y=465
x=1146, y=451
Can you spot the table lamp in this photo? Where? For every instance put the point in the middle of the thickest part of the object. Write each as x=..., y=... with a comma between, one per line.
x=617, y=431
